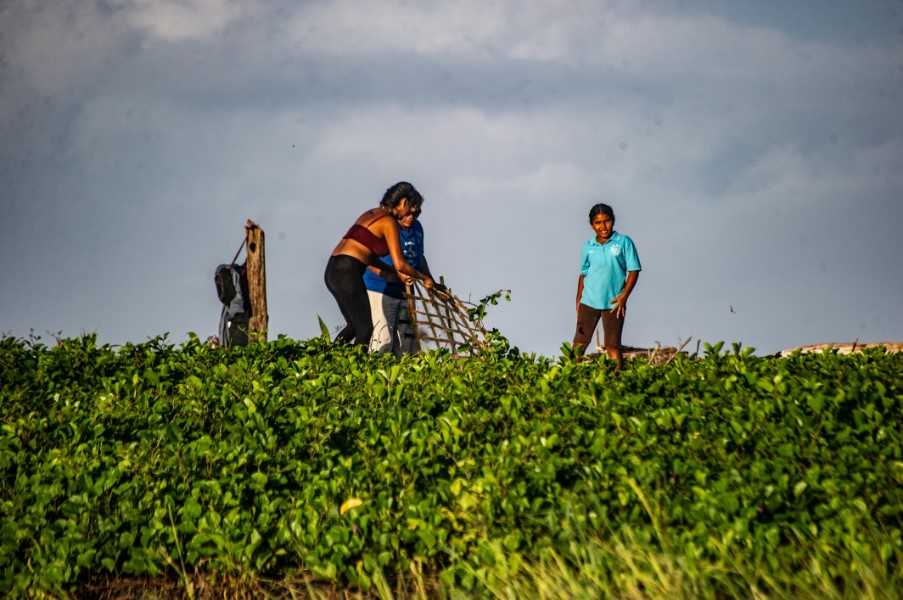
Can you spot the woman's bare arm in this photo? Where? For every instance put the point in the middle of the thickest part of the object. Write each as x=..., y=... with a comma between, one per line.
x=389, y=229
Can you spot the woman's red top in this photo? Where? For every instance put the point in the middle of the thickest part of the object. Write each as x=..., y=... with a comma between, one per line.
x=362, y=235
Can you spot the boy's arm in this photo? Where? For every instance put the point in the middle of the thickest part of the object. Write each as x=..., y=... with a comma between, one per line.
x=424, y=266
x=584, y=269
x=619, y=304
x=579, y=291
x=384, y=270
x=390, y=276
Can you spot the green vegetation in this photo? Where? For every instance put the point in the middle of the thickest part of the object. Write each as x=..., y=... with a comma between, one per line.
x=504, y=474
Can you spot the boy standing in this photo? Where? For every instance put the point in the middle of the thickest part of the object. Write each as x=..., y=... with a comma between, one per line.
x=609, y=269
x=392, y=327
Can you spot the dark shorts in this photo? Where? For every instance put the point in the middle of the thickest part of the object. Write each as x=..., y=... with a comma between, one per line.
x=588, y=319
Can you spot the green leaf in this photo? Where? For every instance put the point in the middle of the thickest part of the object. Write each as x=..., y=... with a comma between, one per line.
x=258, y=481
x=191, y=511
x=324, y=329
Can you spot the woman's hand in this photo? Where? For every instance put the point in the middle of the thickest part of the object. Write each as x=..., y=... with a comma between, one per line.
x=428, y=282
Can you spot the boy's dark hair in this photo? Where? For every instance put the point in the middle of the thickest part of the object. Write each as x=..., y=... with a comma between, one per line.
x=401, y=190
x=601, y=209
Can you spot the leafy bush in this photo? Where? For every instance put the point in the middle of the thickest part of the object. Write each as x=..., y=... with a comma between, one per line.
x=290, y=457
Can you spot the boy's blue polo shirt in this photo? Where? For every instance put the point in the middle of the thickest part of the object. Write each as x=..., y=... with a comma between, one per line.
x=605, y=267
x=412, y=249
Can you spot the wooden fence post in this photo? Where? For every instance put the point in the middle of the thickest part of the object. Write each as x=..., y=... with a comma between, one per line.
x=257, y=281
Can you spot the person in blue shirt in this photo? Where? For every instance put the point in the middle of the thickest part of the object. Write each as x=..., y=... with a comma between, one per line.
x=392, y=327
x=609, y=269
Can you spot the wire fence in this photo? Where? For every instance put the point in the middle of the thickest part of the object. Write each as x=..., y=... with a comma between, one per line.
x=442, y=320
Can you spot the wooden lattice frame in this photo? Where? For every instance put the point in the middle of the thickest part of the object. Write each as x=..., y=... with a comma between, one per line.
x=439, y=317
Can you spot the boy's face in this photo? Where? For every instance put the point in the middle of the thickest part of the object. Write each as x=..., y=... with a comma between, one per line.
x=407, y=221
x=603, y=224
x=402, y=209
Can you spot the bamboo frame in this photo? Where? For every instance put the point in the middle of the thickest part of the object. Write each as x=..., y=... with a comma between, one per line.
x=440, y=318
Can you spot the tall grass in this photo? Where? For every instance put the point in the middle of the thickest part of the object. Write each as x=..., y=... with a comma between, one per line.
x=630, y=566
x=625, y=567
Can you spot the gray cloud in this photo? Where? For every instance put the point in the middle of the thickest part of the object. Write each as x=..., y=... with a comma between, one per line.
x=756, y=162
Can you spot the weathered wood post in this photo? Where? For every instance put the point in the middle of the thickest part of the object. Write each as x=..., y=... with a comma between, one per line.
x=257, y=281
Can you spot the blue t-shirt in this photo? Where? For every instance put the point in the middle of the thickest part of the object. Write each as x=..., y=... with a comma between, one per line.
x=411, y=248
x=605, y=267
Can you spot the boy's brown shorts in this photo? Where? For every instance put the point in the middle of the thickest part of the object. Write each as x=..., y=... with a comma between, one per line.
x=588, y=318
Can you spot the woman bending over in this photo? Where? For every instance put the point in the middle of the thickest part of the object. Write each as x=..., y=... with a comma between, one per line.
x=374, y=234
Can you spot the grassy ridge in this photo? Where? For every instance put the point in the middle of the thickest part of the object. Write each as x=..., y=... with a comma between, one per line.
x=499, y=473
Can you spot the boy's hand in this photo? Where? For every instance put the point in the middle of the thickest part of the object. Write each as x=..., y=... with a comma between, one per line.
x=619, y=305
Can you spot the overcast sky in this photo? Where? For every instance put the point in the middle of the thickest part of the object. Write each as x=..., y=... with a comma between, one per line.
x=752, y=150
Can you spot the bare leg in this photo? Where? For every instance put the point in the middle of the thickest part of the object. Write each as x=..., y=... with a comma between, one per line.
x=614, y=353
x=587, y=319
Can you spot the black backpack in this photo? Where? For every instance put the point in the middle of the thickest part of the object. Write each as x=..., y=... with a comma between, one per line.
x=232, y=289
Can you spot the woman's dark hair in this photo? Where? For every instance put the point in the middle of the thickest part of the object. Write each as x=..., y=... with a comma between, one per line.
x=601, y=209
x=395, y=194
